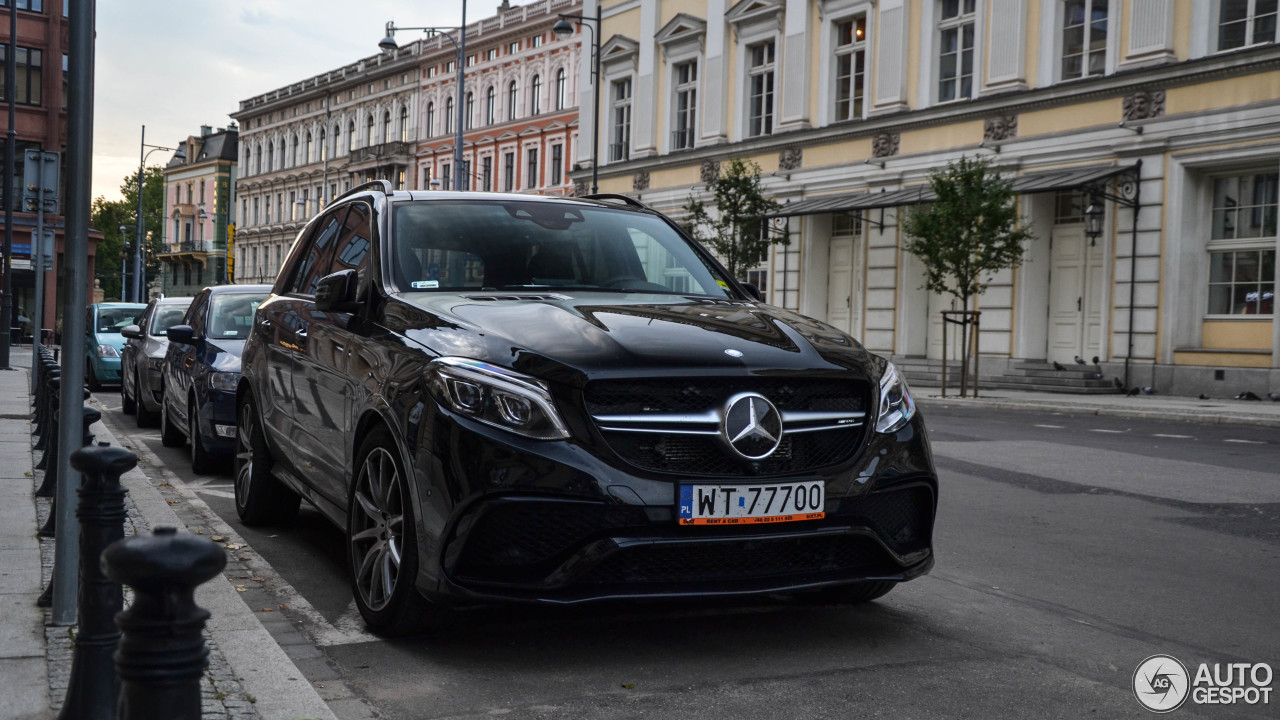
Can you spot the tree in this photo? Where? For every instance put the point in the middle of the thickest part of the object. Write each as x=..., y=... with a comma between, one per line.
x=738, y=233
x=108, y=215
x=965, y=236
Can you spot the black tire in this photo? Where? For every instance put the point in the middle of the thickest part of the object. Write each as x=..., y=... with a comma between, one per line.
x=201, y=460
x=91, y=378
x=260, y=498
x=145, y=417
x=128, y=404
x=375, y=528
x=856, y=594
x=170, y=435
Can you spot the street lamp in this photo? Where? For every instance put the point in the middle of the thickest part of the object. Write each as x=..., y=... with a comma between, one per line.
x=1093, y=220
x=124, y=262
x=388, y=44
x=142, y=167
x=564, y=29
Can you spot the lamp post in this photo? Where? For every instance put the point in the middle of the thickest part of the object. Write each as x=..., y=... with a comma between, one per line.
x=388, y=44
x=563, y=29
x=143, y=152
x=124, y=263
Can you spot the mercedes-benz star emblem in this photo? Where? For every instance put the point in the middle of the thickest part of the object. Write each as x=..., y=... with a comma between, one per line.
x=752, y=425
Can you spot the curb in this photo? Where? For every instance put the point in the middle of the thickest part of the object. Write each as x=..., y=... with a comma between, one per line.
x=259, y=663
x=1188, y=415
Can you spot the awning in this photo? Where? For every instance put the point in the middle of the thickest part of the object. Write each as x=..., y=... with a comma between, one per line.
x=1073, y=178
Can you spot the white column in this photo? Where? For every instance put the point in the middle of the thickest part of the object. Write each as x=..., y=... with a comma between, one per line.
x=715, y=83
x=644, y=111
x=795, y=67
x=891, y=39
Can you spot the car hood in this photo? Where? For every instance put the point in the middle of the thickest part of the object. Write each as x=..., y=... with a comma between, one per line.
x=224, y=355
x=576, y=336
x=115, y=340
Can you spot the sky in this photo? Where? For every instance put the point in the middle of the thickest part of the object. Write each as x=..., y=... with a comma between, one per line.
x=174, y=65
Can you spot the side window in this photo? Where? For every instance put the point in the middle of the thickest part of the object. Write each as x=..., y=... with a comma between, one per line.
x=316, y=254
x=195, y=316
x=352, y=247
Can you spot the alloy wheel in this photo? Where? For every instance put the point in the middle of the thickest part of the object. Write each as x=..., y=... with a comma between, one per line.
x=377, y=528
x=244, y=453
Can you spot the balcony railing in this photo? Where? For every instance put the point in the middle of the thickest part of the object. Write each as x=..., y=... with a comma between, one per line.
x=381, y=152
x=681, y=139
x=617, y=152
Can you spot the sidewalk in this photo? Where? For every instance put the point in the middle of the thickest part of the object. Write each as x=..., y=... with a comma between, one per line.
x=249, y=675
x=1214, y=411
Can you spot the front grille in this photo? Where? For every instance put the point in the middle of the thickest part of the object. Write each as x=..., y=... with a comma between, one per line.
x=661, y=449
x=514, y=541
x=741, y=560
x=904, y=518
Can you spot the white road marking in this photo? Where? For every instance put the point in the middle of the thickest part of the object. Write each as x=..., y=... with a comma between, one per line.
x=1051, y=427
x=1245, y=442
x=216, y=493
x=1175, y=437
x=1111, y=432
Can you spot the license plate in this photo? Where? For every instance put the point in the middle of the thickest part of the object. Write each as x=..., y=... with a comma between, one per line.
x=748, y=504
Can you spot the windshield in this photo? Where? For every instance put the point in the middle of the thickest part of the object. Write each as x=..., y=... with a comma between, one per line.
x=232, y=315
x=113, y=319
x=166, y=317
x=469, y=245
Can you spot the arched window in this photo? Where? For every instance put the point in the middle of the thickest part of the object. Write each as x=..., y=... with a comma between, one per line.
x=271, y=156
x=257, y=159
x=471, y=109
x=562, y=89
x=431, y=119
x=351, y=136
x=323, y=147
x=511, y=100
x=337, y=135
x=306, y=150
x=490, y=102
x=368, y=131
x=535, y=89
x=296, y=147
x=386, y=126
x=404, y=124
x=448, y=116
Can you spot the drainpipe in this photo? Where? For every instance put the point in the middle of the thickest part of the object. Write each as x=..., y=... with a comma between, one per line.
x=1133, y=263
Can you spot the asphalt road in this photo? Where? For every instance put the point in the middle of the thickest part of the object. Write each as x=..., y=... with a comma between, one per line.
x=1069, y=548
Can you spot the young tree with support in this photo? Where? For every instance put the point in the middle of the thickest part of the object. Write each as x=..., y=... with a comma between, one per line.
x=738, y=232
x=965, y=236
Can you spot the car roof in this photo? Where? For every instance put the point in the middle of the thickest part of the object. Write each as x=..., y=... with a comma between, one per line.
x=224, y=289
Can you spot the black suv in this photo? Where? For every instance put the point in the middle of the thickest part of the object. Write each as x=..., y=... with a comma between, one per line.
x=508, y=397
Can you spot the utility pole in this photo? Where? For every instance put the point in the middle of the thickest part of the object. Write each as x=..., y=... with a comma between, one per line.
x=10, y=148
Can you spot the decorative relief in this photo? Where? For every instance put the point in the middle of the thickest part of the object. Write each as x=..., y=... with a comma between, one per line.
x=1001, y=127
x=1143, y=105
x=710, y=170
x=640, y=181
x=580, y=188
x=885, y=144
x=790, y=158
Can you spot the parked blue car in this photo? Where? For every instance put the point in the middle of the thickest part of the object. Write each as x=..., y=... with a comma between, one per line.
x=103, y=341
x=202, y=369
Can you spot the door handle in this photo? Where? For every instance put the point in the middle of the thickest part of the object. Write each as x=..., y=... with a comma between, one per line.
x=264, y=323
x=848, y=302
x=302, y=333
x=1079, y=304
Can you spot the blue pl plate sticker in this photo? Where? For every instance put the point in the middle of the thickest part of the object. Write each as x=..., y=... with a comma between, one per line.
x=686, y=501
x=425, y=284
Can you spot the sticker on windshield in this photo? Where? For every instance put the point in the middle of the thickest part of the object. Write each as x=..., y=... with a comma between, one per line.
x=425, y=284
x=228, y=333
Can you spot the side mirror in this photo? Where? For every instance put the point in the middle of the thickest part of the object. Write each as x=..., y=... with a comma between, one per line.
x=131, y=331
x=753, y=291
x=337, y=292
x=181, y=334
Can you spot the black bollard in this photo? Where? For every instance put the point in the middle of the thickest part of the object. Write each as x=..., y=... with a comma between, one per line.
x=93, y=689
x=52, y=385
x=89, y=416
x=162, y=653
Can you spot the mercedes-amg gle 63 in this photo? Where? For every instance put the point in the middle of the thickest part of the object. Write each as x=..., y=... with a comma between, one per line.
x=505, y=398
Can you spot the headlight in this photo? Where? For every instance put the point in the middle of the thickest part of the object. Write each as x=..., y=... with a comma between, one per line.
x=896, y=405
x=224, y=380
x=108, y=351
x=496, y=396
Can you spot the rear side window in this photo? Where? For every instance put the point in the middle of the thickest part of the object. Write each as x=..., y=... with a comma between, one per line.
x=317, y=254
x=351, y=251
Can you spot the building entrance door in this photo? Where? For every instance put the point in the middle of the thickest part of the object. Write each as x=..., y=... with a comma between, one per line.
x=844, y=285
x=1075, y=296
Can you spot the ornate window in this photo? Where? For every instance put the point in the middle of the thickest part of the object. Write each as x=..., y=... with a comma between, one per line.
x=850, y=67
x=512, y=100
x=1242, y=23
x=1084, y=38
x=470, y=110
x=955, y=50
x=1242, y=245
x=620, y=133
x=490, y=106
x=535, y=89
x=562, y=89
x=431, y=119
x=685, y=78
x=760, y=88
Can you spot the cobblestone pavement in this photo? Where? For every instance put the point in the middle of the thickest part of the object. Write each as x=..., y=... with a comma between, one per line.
x=222, y=696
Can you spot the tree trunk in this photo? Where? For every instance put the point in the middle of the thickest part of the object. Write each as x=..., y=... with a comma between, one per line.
x=964, y=348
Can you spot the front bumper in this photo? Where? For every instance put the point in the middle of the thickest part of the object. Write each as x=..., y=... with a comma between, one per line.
x=217, y=412
x=107, y=370
x=553, y=523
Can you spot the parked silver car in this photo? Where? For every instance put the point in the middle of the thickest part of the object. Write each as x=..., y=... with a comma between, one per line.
x=143, y=358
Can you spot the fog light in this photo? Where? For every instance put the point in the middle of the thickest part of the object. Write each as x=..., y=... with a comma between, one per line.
x=226, y=431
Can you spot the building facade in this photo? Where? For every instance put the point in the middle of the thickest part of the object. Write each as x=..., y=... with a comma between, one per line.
x=520, y=105
x=200, y=214
x=1162, y=111
x=305, y=144
x=40, y=123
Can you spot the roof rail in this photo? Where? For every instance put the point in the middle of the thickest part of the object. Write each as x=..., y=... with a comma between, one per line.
x=627, y=199
x=382, y=186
